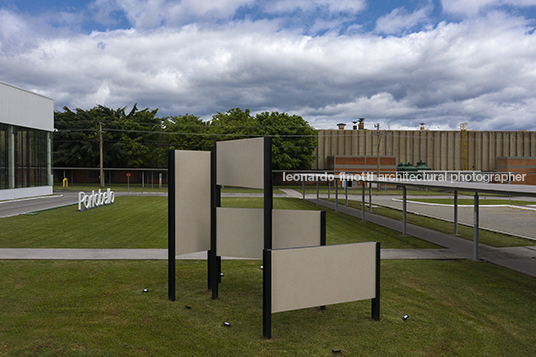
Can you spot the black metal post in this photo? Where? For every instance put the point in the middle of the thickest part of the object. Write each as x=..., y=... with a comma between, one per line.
x=336, y=196
x=370, y=198
x=363, y=200
x=267, y=293
x=456, y=212
x=266, y=253
x=171, y=225
x=322, y=237
x=268, y=193
x=404, y=210
x=376, y=301
x=476, y=226
x=214, y=264
x=347, y=182
x=317, y=192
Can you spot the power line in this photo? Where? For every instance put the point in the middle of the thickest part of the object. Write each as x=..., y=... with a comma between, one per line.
x=176, y=133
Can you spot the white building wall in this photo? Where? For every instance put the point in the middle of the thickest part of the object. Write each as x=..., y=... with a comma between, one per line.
x=23, y=108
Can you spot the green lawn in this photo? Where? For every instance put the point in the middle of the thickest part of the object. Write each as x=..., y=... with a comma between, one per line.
x=131, y=222
x=97, y=308
x=141, y=222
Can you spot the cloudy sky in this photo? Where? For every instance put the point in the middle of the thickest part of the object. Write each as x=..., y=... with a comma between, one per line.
x=394, y=62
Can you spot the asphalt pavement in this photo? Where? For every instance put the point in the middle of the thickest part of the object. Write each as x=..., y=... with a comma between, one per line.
x=34, y=204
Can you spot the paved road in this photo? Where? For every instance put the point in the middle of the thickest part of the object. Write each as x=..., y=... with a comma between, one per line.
x=27, y=205
x=58, y=199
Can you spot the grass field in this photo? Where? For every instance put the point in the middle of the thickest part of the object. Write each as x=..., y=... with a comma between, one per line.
x=131, y=222
x=141, y=222
x=97, y=308
x=77, y=308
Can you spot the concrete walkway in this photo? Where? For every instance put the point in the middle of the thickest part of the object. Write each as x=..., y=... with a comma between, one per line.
x=161, y=254
x=95, y=254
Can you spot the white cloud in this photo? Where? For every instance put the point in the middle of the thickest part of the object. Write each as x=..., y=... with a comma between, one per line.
x=333, y=6
x=481, y=70
x=153, y=13
x=400, y=19
x=474, y=7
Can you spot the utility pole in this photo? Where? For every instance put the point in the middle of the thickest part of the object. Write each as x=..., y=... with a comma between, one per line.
x=101, y=161
x=377, y=126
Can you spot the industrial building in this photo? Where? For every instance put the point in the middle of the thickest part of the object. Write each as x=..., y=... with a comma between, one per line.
x=487, y=151
x=26, y=127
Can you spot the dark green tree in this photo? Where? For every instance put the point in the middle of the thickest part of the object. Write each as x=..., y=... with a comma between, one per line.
x=129, y=140
x=140, y=139
x=76, y=140
x=293, y=140
x=186, y=132
x=234, y=124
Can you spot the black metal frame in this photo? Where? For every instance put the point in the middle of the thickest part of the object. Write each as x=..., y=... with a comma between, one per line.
x=267, y=281
x=266, y=255
x=375, y=303
x=214, y=261
x=322, y=237
x=171, y=225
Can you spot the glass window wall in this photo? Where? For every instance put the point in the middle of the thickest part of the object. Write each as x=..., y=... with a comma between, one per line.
x=4, y=158
x=30, y=157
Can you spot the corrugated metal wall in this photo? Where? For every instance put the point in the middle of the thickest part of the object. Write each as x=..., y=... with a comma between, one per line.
x=441, y=150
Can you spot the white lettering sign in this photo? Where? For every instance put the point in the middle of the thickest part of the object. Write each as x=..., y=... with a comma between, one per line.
x=95, y=199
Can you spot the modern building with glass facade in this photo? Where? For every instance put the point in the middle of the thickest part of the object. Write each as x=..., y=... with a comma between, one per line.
x=26, y=127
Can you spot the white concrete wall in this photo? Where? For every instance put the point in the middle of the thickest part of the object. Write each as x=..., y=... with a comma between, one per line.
x=23, y=108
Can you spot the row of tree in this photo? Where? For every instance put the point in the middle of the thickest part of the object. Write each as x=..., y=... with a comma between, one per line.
x=141, y=139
